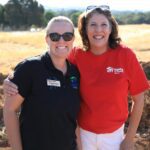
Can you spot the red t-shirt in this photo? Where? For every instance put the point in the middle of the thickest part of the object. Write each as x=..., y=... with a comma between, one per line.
x=105, y=81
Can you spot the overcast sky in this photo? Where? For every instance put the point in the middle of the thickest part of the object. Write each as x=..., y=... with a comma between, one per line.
x=114, y=4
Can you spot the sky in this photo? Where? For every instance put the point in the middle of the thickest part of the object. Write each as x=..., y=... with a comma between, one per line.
x=133, y=5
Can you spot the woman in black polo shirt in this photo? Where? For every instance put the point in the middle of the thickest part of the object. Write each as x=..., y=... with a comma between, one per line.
x=48, y=95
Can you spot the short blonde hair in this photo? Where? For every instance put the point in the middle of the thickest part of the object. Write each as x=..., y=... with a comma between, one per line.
x=58, y=19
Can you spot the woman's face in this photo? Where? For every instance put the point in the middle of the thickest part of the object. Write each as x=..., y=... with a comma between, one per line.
x=60, y=48
x=98, y=31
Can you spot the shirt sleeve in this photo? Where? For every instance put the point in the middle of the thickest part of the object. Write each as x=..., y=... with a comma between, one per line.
x=22, y=78
x=72, y=56
x=137, y=79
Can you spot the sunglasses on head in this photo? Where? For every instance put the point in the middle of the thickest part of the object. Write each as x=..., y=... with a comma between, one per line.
x=92, y=7
x=55, y=37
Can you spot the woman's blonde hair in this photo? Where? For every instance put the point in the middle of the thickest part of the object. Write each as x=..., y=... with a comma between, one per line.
x=58, y=19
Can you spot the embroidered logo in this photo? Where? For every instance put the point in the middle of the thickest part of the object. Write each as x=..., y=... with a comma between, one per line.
x=74, y=82
x=114, y=70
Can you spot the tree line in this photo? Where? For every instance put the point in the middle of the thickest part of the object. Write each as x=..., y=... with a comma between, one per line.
x=23, y=14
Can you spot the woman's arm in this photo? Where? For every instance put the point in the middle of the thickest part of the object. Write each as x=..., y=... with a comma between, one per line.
x=11, y=106
x=136, y=113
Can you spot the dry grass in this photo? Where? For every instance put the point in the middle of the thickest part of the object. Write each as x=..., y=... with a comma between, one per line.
x=15, y=46
x=137, y=37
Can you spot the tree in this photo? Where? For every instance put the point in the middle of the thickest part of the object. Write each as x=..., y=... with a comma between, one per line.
x=49, y=15
x=33, y=12
x=13, y=13
x=74, y=18
x=147, y=17
x=1, y=14
x=24, y=13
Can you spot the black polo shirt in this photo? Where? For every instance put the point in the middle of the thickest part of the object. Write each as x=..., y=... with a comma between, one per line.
x=51, y=103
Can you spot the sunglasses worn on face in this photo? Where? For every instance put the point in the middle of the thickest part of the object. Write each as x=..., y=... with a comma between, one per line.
x=55, y=37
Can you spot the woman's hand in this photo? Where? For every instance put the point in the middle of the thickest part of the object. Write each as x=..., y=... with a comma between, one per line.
x=9, y=88
x=127, y=144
